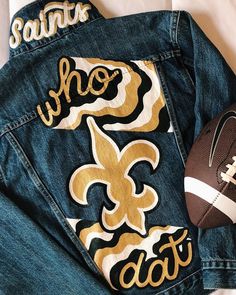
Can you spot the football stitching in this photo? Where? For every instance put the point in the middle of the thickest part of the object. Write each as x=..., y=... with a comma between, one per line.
x=219, y=179
x=211, y=206
x=206, y=130
x=229, y=175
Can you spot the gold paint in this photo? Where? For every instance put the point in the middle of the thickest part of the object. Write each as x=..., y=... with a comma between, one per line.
x=128, y=91
x=105, y=81
x=51, y=113
x=131, y=90
x=178, y=262
x=131, y=98
x=112, y=168
x=135, y=268
x=66, y=77
x=129, y=105
x=154, y=121
x=86, y=231
x=125, y=68
x=122, y=274
x=162, y=228
x=124, y=240
x=150, y=271
x=163, y=264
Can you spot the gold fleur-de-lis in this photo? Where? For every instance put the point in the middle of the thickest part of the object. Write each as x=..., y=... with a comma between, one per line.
x=112, y=169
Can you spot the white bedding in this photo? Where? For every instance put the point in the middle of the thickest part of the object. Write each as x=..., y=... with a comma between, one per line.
x=215, y=17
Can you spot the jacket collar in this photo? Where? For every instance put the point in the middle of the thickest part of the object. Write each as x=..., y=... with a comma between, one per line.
x=44, y=20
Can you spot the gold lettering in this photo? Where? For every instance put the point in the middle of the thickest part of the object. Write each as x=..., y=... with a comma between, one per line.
x=47, y=26
x=50, y=111
x=133, y=266
x=37, y=35
x=30, y=31
x=16, y=38
x=178, y=262
x=57, y=19
x=66, y=76
x=150, y=271
x=173, y=244
x=105, y=81
x=43, y=26
x=81, y=13
x=67, y=9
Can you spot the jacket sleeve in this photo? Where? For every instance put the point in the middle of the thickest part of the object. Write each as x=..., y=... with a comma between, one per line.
x=215, y=82
x=215, y=90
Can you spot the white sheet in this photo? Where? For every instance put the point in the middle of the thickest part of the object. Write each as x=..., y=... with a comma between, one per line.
x=4, y=31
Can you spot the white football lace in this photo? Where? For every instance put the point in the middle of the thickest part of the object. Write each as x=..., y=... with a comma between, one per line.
x=229, y=175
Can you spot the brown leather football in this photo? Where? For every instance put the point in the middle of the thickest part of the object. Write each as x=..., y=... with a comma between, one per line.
x=210, y=174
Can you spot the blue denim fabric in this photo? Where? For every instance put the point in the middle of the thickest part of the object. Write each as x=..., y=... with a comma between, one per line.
x=33, y=263
x=97, y=120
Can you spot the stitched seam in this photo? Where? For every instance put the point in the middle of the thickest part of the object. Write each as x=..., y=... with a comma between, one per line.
x=199, y=270
x=171, y=25
x=220, y=260
x=187, y=73
x=207, y=211
x=174, y=28
x=177, y=28
x=230, y=267
x=172, y=115
x=2, y=176
x=48, y=197
x=176, y=39
x=218, y=177
x=22, y=121
x=162, y=56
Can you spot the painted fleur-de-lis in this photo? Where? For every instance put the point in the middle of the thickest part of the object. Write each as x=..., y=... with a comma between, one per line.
x=112, y=169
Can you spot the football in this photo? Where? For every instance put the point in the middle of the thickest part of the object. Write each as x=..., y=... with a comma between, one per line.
x=210, y=173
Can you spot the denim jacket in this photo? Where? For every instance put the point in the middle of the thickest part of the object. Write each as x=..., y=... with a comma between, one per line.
x=97, y=119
